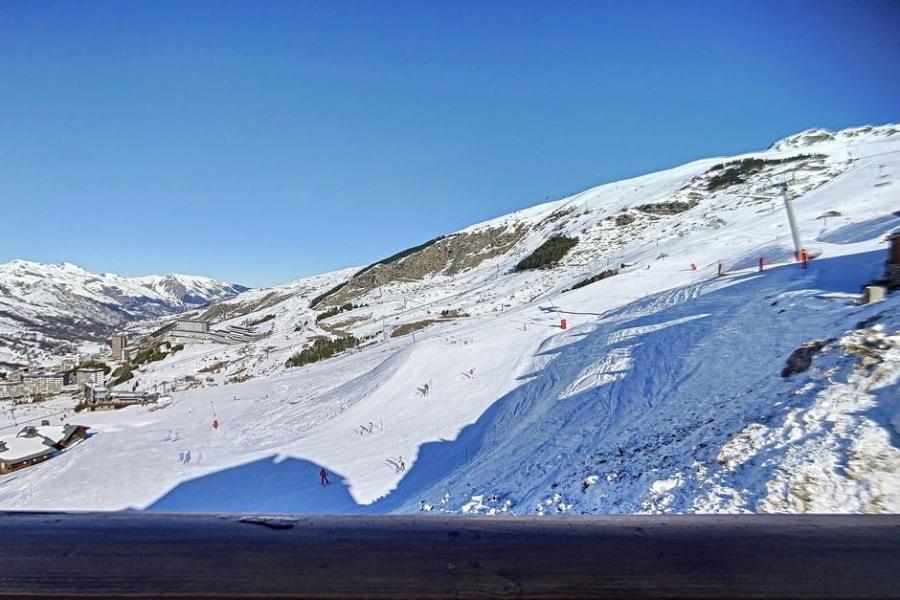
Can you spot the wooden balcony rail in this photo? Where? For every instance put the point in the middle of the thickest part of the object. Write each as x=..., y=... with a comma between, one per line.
x=131, y=555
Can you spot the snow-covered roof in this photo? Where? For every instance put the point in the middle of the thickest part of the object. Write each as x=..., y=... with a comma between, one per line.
x=32, y=441
x=124, y=394
x=54, y=433
x=23, y=448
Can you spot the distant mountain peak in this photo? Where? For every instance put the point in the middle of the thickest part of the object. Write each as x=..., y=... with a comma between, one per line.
x=815, y=136
x=53, y=304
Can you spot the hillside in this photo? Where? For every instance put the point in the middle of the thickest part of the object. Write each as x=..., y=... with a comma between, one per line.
x=51, y=310
x=664, y=393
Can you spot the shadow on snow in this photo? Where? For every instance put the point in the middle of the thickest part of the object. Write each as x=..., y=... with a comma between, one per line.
x=656, y=410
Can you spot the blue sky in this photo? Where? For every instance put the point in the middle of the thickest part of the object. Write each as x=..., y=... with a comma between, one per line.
x=263, y=141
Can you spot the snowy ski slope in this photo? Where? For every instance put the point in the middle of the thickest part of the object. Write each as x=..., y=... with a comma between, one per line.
x=663, y=394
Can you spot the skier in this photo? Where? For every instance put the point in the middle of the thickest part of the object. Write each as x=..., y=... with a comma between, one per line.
x=323, y=477
x=402, y=464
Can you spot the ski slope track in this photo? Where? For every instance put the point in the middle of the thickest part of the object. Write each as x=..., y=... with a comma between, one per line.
x=665, y=393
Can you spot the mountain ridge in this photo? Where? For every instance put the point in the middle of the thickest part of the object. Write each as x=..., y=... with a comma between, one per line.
x=640, y=370
x=45, y=309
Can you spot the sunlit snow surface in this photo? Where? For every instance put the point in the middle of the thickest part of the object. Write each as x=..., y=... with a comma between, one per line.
x=663, y=394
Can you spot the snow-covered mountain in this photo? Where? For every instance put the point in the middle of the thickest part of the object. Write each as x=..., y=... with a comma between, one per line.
x=671, y=388
x=48, y=310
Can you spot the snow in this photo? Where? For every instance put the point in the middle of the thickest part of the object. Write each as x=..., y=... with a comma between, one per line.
x=664, y=393
x=52, y=310
x=18, y=448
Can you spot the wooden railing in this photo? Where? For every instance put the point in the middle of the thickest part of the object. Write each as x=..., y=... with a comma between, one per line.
x=130, y=555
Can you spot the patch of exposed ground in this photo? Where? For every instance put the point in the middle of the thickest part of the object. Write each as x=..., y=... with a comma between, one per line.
x=342, y=328
x=667, y=208
x=446, y=315
x=411, y=327
x=447, y=256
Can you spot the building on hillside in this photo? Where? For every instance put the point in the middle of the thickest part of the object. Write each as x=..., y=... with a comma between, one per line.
x=17, y=374
x=101, y=398
x=192, y=326
x=18, y=453
x=62, y=436
x=892, y=266
x=11, y=390
x=90, y=376
x=44, y=384
x=198, y=332
x=117, y=344
x=33, y=445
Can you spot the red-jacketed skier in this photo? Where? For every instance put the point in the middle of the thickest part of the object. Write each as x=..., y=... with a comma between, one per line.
x=323, y=477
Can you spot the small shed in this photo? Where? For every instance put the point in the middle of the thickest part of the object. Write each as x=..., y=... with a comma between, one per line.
x=892, y=266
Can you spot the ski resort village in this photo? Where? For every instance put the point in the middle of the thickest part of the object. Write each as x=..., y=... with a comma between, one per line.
x=722, y=336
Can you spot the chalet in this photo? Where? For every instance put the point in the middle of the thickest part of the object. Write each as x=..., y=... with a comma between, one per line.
x=33, y=445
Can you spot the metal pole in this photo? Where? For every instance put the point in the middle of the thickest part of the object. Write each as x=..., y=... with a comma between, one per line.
x=792, y=220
